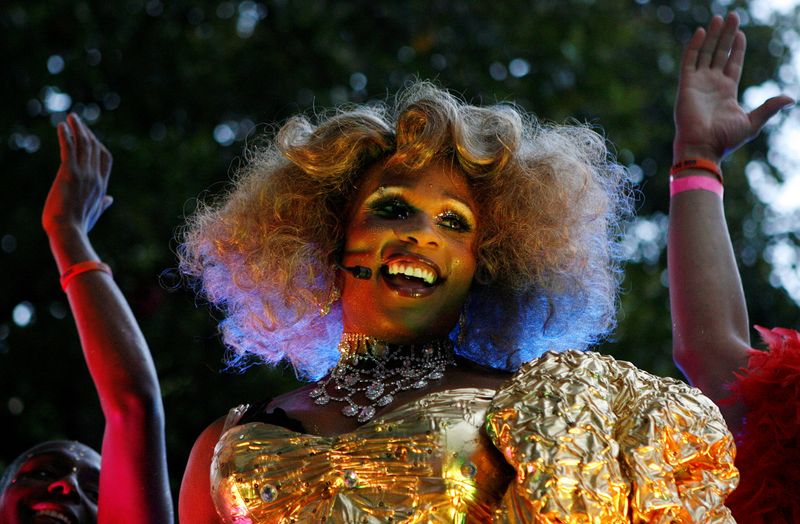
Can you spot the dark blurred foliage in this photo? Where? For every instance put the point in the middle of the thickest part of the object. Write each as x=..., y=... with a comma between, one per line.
x=175, y=89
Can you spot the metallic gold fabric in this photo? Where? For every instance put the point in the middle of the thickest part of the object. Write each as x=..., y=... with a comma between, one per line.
x=592, y=440
x=428, y=461
x=597, y=440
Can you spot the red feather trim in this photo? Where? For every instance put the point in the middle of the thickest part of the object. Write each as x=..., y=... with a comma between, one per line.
x=768, y=447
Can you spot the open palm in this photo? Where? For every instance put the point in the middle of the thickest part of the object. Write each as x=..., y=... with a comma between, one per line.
x=709, y=121
x=78, y=197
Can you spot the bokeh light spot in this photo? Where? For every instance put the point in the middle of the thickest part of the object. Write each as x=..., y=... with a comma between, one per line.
x=23, y=314
x=249, y=15
x=519, y=67
x=111, y=100
x=57, y=310
x=55, y=64
x=8, y=243
x=16, y=406
x=438, y=62
x=358, y=81
x=498, y=71
x=55, y=101
x=406, y=54
x=224, y=134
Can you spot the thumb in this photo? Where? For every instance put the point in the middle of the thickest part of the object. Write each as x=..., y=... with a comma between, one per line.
x=95, y=215
x=760, y=115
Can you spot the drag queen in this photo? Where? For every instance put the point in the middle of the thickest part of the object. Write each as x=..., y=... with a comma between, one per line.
x=436, y=270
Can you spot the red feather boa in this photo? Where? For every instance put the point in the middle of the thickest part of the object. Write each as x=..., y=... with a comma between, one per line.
x=768, y=447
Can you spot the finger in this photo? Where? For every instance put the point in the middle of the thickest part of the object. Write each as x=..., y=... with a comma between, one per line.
x=710, y=43
x=733, y=69
x=66, y=143
x=726, y=38
x=84, y=149
x=92, y=154
x=760, y=115
x=692, y=50
x=96, y=162
x=77, y=139
x=106, y=160
x=95, y=144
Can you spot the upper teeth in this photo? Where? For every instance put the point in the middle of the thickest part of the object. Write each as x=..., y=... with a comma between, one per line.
x=397, y=268
x=54, y=514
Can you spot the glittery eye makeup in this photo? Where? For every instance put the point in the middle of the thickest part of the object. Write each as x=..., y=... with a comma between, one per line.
x=390, y=203
x=391, y=207
x=455, y=221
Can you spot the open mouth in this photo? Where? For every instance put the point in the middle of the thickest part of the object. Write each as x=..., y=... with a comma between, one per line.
x=47, y=512
x=411, y=276
x=49, y=515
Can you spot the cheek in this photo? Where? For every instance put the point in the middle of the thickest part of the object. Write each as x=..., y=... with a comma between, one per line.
x=466, y=259
x=15, y=492
x=361, y=236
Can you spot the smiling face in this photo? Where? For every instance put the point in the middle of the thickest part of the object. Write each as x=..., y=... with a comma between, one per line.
x=417, y=232
x=53, y=483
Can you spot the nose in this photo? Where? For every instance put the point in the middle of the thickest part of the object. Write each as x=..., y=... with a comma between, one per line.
x=65, y=486
x=418, y=230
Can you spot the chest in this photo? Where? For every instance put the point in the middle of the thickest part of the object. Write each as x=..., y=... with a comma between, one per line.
x=329, y=420
x=428, y=459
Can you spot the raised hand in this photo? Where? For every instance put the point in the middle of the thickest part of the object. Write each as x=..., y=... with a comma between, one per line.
x=78, y=197
x=709, y=122
x=133, y=477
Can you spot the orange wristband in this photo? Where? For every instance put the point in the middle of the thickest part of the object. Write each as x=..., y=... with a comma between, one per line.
x=697, y=163
x=82, y=267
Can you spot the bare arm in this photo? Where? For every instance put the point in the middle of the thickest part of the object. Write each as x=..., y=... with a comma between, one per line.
x=133, y=475
x=709, y=315
x=195, y=505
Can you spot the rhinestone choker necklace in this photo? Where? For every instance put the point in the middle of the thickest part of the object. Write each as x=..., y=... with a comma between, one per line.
x=377, y=371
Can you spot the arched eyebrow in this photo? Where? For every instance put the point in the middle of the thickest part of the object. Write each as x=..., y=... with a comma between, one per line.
x=397, y=188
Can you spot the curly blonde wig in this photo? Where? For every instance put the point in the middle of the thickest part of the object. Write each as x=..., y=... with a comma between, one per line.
x=549, y=199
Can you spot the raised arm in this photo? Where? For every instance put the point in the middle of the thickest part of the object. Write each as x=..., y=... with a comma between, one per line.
x=709, y=315
x=133, y=476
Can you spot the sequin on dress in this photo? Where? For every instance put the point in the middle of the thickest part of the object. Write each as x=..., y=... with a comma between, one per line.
x=589, y=440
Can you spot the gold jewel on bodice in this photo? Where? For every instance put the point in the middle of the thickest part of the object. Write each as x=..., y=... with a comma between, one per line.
x=377, y=371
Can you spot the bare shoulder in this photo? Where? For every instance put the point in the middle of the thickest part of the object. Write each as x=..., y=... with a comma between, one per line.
x=468, y=374
x=296, y=400
x=195, y=504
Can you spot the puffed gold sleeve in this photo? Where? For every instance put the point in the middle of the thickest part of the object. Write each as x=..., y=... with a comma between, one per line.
x=595, y=440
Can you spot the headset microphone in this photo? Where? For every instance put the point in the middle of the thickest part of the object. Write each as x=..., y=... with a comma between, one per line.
x=361, y=272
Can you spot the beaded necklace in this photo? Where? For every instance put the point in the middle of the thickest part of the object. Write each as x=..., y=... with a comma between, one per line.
x=378, y=371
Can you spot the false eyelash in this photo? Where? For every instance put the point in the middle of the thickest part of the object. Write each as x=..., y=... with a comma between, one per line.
x=464, y=224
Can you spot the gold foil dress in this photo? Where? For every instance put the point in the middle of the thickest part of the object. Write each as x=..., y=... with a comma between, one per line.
x=572, y=438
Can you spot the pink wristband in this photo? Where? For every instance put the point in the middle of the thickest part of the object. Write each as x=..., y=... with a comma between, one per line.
x=692, y=183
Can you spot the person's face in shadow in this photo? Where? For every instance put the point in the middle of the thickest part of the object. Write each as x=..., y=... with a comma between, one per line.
x=53, y=482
